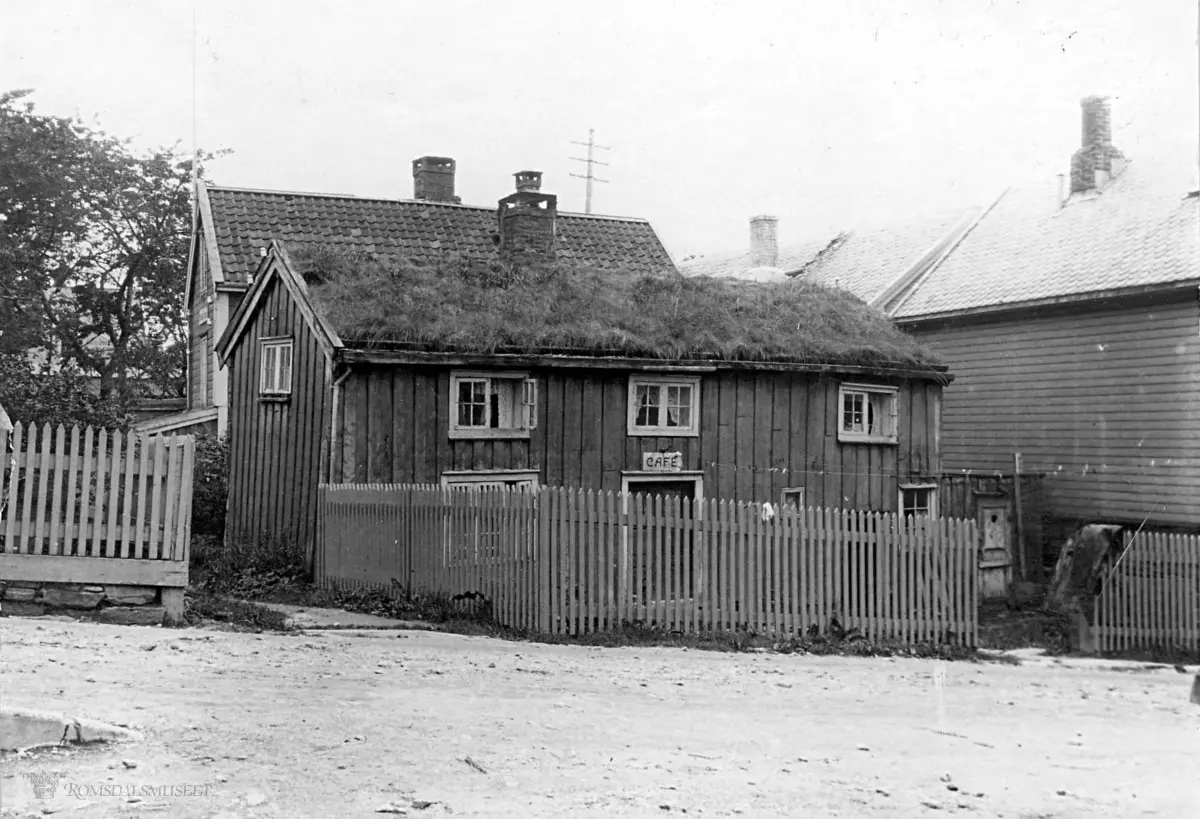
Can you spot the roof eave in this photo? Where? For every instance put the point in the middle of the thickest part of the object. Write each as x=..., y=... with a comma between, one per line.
x=1052, y=301
x=358, y=355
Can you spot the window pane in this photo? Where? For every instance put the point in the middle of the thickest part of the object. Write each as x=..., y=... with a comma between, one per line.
x=285, y=368
x=852, y=412
x=268, y=368
x=648, y=398
x=529, y=403
x=472, y=403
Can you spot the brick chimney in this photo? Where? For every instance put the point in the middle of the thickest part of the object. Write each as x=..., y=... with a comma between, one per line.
x=433, y=179
x=764, y=243
x=1092, y=164
x=526, y=218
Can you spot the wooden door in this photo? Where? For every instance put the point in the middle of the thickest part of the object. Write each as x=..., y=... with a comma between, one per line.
x=667, y=576
x=996, y=553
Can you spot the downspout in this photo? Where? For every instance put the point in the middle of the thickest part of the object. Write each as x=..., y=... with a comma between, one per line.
x=333, y=430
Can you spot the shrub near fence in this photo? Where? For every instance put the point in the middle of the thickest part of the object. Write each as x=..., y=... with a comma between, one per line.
x=573, y=561
x=95, y=507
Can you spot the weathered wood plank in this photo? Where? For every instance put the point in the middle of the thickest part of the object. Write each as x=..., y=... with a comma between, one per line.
x=92, y=570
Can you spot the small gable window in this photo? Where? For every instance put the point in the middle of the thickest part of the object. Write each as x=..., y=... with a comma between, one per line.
x=492, y=405
x=664, y=405
x=276, y=367
x=868, y=414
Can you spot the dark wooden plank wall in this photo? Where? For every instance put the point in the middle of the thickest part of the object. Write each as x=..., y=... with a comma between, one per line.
x=760, y=433
x=1105, y=402
x=275, y=448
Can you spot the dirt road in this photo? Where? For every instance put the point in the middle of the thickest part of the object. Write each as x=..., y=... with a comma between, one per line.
x=337, y=724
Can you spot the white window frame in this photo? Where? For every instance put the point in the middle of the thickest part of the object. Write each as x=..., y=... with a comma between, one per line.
x=792, y=491
x=490, y=479
x=270, y=379
x=524, y=407
x=663, y=382
x=891, y=433
x=933, y=497
x=475, y=541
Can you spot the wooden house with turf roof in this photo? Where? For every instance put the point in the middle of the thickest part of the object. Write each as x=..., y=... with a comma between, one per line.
x=524, y=368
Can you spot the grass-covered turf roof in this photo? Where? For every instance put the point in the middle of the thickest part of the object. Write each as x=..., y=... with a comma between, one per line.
x=490, y=307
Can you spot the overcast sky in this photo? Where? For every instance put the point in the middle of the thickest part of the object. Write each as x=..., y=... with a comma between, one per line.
x=827, y=114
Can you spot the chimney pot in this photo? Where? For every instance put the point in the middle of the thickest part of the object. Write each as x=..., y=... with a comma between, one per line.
x=527, y=219
x=433, y=179
x=528, y=180
x=764, y=242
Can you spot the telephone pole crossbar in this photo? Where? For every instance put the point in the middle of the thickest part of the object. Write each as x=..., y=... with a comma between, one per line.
x=590, y=161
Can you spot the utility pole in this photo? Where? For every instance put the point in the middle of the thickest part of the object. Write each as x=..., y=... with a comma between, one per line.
x=589, y=176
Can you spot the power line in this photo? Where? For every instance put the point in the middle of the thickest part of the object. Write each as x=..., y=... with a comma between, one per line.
x=590, y=161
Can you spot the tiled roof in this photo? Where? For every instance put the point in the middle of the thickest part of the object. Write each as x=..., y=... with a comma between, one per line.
x=246, y=220
x=863, y=261
x=1141, y=229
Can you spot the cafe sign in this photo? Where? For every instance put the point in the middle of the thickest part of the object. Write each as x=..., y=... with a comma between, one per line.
x=662, y=461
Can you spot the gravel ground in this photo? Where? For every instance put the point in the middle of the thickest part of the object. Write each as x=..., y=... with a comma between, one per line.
x=333, y=724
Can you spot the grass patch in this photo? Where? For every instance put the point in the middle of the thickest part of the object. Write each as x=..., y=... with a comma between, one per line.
x=241, y=614
x=490, y=306
x=270, y=578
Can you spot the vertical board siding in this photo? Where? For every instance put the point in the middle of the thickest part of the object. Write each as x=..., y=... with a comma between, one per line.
x=1106, y=403
x=580, y=561
x=759, y=433
x=276, y=447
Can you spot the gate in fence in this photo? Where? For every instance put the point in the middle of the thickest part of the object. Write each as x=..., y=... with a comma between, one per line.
x=575, y=561
x=1151, y=596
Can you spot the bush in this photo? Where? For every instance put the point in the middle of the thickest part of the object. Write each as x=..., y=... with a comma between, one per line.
x=64, y=397
x=210, y=485
x=245, y=569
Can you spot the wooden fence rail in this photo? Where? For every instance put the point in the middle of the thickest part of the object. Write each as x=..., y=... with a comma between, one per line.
x=95, y=506
x=1151, y=597
x=574, y=561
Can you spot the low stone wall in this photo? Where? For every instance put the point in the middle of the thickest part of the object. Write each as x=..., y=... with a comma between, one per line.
x=121, y=604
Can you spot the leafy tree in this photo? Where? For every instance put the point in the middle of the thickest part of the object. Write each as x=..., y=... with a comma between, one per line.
x=64, y=397
x=93, y=250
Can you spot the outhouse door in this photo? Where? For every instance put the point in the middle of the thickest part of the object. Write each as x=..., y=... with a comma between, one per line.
x=996, y=556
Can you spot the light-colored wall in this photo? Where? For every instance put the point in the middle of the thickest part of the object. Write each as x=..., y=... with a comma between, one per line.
x=1106, y=401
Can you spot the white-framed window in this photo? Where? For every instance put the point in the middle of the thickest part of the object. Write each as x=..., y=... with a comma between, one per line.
x=491, y=479
x=792, y=496
x=276, y=370
x=918, y=500
x=868, y=414
x=492, y=405
x=469, y=538
x=664, y=405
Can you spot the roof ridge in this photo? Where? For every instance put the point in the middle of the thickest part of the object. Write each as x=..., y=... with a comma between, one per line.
x=910, y=290
x=320, y=195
